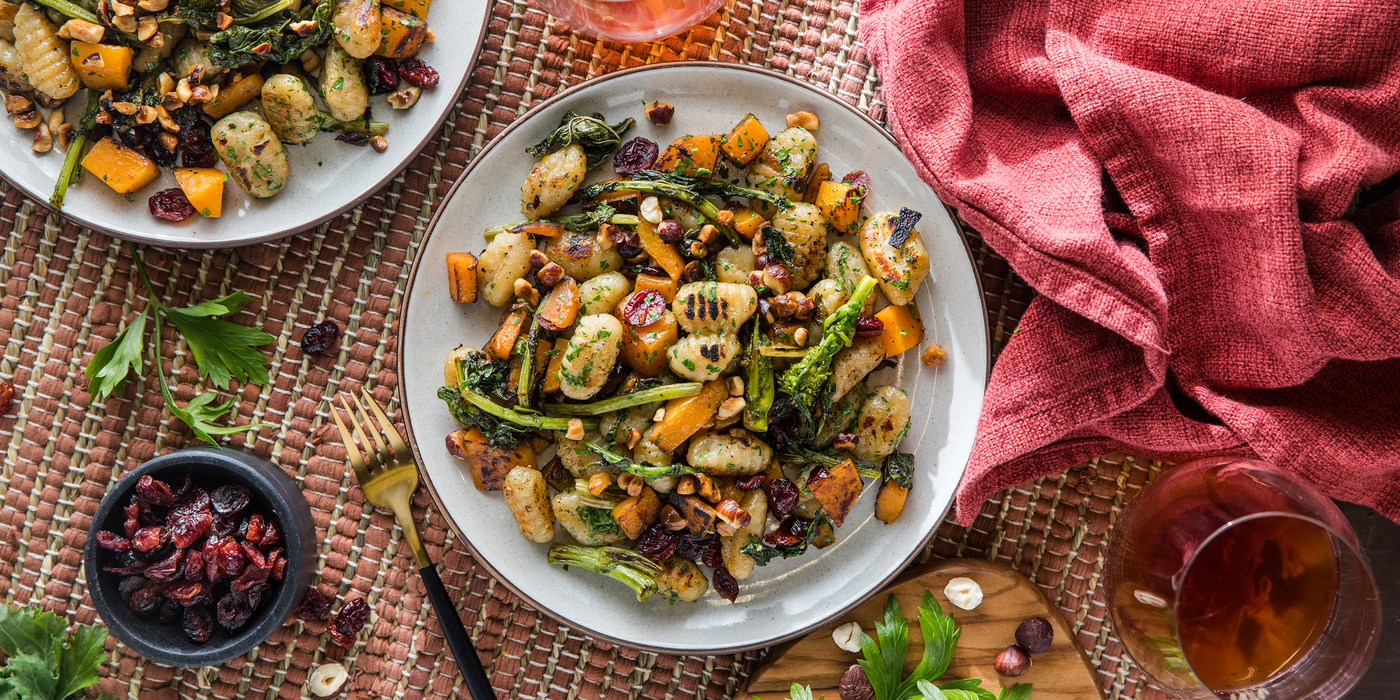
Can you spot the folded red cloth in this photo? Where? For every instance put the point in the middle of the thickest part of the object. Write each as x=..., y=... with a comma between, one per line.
x=1231, y=275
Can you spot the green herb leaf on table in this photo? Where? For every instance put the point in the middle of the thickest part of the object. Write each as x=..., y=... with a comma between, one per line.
x=111, y=364
x=80, y=660
x=222, y=350
x=45, y=663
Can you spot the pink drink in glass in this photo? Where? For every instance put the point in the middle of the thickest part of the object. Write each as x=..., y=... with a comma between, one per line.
x=632, y=20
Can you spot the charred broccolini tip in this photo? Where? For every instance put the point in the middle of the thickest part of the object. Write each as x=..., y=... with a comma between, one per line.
x=804, y=380
x=625, y=565
x=799, y=455
x=642, y=469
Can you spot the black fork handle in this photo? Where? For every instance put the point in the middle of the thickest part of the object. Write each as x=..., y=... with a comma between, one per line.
x=457, y=638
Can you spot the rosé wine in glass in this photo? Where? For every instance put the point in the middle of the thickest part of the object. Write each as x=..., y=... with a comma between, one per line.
x=632, y=20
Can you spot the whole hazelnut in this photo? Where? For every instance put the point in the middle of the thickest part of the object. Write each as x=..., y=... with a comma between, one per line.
x=1012, y=661
x=1034, y=635
x=855, y=686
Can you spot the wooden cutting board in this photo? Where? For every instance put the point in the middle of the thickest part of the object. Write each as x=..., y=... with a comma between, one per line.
x=1061, y=673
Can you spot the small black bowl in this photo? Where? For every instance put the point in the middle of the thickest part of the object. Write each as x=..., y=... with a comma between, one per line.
x=274, y=494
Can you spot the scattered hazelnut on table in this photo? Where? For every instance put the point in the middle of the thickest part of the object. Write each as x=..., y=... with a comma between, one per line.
x=326, y=680
x=847, y=637
x=1012, y=661
x=855, y=686
x=1034, y=635
x=963, y=592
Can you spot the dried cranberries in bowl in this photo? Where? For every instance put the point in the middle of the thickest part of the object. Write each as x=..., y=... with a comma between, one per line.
x=194, y=556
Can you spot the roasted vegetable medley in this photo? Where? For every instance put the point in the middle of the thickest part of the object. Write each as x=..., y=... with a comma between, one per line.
x=692, y=341
x=196, y=83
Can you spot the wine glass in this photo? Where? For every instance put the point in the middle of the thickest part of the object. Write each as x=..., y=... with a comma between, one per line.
x=1234, y=578
x=632, y=20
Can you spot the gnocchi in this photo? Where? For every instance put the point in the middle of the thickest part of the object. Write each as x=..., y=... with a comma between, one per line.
x=254, y=156
x=343, y=85
x=701, y=358
x=506, y=259
x=590, y=355
x=603, y=293
x=805, y=230
x=785, y=163
x=714, y=307
x=553, y=181
x=882, y=423
x=527, y=494
x=356, y=25
x=290, y=109
x=581, y=256
x=900, y=270
x=43, y=55
x=738, y=453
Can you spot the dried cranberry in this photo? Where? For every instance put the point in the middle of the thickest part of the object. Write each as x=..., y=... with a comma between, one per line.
x=230, y=558
x=229, y=499
x=154, y=491
x=635, y=156
x=869, y=327
x=276, y=565
x=196, y=148
x=7, y=397
x=113, y=541
x=314, y=606
x=644, y=308
x=253, y=530
x=257, y=594
x=188, y=527
x=121, y=570
x=184, y=592
x=750, y=483
x=169, y=611
x=199, y=626
x=381, y=75
x=670, y=231
x=632, y=271
x=348, y=622
x=167, y=568
x=725, y=584
x=250, y=577
x=194, y=566
x=133, y=519
x=630, y=252
x=417, y=73
x=320, y=337
x=181, y=487
x=235, y=609
x=860, y=180
x=255, y=556
x=704, y=549
x=129, y=585
x=354, y=138
x=146, y=600
x=150, y=538
x=657, y=542
x=270, y=534
x=171, y=205
x=220, y=525
x=791, y=531
x=782, y=496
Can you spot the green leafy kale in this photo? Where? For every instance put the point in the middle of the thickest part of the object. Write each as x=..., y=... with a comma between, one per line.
x=45, y=663
x=899, y=468
x=272, y=39
x=714, y=188
x=484, y=376
x=778, y=247
x=599, y=140
x=761, y=552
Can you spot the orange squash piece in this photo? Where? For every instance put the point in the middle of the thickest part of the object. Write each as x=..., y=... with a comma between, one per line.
x=666, y=285
x=204, y=187
x=637, y=513
x=903, y=330
x=745, y=141
x=837, y=489
x=502, y=343
x=688, y=155
x=839, y=203
x=747, y=222
x=644, y=349
x=461, y=277
x=403, y=34
x=820, y=176
x=889, y=503
x=660, y=251
x=417, y=8
x=490, y=464
x=560, y=308
x=685, y=416
x=99, y=66
x=122, y=168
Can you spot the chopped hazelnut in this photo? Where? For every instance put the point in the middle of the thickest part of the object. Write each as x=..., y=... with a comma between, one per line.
x=153, y=5
x=65, y=134
x=538, y=259
x=379, y=144
x=736, y=386
x=634, y=436
x=146, y=27
x=599, y=482
x=78, y=30
x=525, y=290
x=182, y=90
x=550, y=274
x=698, y=249
x=708, y=233
x=672, y=518
x=146, y=114
x=726, y=217
x=706, y=489
x=934, y=355
x=631, y=483
x=304, y=27
x=804, y=119
x=799, y=337
x=730, y=407
x=659, y=416
x=126, y=23
x=168, y=141
x=165, y=83
x=659, y=113
x=405, y=98
x=686, y=485
x=43, y=139
x=650, y=210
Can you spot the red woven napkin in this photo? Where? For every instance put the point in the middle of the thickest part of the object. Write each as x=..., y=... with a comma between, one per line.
x=1230, y=276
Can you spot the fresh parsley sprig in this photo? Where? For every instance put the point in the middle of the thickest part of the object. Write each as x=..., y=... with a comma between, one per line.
x=45, y=661
x=883, y=658
x=222, y=351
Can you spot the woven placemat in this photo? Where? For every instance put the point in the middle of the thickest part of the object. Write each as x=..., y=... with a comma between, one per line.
x=68, y=291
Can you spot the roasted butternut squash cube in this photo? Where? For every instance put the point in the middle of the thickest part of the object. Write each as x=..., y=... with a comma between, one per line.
x=461, y=277
x=502, y=342
x=204, y=187
x=99, y=66
x=122, y=168
x=666, y=285
x=889, y=503
x=903, y=330
x=836, y=489
x=637, y=513
x=747, y=222
x=820, y=176
x=745, y=141
x=560, y=307
x=838, y=202
x=689, y=155
x=489, y=464
x=403, y=34
x=663, y=253
x=685, y=416
x=644, y=349
x=417, y=8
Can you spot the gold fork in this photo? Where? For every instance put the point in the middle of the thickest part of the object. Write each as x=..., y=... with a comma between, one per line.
x=388, y=475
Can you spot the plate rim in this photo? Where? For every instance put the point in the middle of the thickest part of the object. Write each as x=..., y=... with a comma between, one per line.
x=413, y=442
x=42, y=200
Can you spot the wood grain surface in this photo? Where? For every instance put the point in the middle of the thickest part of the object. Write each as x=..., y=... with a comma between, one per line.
x=1061, y=673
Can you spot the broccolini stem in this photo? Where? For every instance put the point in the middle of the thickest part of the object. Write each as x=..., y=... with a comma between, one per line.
x=568, y=220
x=527, y=364
x=667, y=189
x=625, y=565
x=65, y=173
x=71, y=10
x=361, y=125
x=801, y=455
x=484, y=403
x=594, y=500
x=643, y=469
x=617, y=403
x=770, y=351
x=760, y=388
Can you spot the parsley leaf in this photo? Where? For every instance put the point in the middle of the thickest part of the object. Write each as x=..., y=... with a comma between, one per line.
x=80, y=660
x=45, y=663
x=222, y=350
x=600, y=521
x=115, y=360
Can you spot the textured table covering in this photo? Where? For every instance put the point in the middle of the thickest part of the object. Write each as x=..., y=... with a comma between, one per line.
x=69, y=291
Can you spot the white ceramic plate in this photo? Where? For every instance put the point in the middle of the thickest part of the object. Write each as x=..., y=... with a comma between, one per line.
x=786, y=597
x=327, y=176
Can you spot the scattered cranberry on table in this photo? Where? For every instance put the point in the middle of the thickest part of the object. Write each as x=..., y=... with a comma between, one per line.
x=320, y=337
